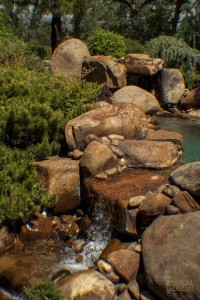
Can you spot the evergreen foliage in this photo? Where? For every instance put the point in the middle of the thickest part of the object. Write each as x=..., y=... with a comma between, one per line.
x=20, y=194
x=176, y=54
x=35, y=107
x=46, y=290
x=106, y=43
x=133, y=46
x=18, y=54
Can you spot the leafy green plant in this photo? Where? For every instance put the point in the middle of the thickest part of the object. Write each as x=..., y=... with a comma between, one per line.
x=43, y=290
x=38, y=50
x=134, y=46
x=18, y=54
x=176, y=54
x=20, y=194
x=106, y=43
x=36, y=106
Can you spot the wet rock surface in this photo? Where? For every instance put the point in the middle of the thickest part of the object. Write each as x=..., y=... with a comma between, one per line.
x=18, y=270
x=60, y=176
x=149, y=154
x=39, y=228
x=165, y=136
x=116, y=192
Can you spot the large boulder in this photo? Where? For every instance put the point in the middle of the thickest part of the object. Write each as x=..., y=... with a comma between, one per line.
x=125, y=263
x=140, y=97
x=97, y=158
x=192, y=100
x=104, y=70
x=68, y=56
x=171, y=256
x=60, y=176
x=142, y=64
x=87, y=285
x=124, y=119
x=38, y=229
x=20, y=269
x=187, y=178
x=172, y=86
x=152, y=206
x=149, y=154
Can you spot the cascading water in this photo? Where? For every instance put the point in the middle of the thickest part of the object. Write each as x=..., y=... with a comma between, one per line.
x=98, y=236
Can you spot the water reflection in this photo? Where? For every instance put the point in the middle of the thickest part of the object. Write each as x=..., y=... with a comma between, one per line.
x=190, y=129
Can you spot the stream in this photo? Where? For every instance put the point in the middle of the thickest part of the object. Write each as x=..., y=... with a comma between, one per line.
x=99, y=233
x=190, y=129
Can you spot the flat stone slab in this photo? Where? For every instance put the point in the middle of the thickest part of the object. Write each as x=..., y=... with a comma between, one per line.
x=18, y=270
x=165, y=136
x=116, y=192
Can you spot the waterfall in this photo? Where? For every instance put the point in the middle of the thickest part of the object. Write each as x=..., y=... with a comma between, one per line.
x=98, y=236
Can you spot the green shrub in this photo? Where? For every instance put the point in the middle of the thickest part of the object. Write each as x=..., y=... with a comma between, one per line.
x=35, y=107
x=134, y=46
x=20, y=194
x=38, y=50
x=43, y=290
x=5, y=27
x=106, y=43
x=176, y=54
x=18, y=54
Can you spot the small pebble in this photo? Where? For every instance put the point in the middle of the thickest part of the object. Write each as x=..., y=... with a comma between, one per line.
x=113, y=277
x=135, y=201
x=115, y=142
x=55, y=221
x=121, y=169
x=172, y=210
x=77, y=154
x=105, y=141
x=122, y=162
x=116, y=137
x=119, y=153
x=111, y=172
x=121, y=287
x=137, y=248
x=104, y=267
x=102, y=176
x=171, y=191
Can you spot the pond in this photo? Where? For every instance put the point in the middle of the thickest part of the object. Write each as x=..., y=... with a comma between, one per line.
x=190, y=129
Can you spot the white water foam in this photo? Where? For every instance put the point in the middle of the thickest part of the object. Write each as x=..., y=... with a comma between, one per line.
x=99, y=235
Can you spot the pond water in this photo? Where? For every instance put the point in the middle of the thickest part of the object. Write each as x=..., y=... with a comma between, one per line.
x=190, y=129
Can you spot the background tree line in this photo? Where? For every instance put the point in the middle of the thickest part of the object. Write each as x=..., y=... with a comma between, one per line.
x=48, y=22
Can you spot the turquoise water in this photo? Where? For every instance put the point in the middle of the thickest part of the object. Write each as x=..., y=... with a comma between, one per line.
x=190, y=129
